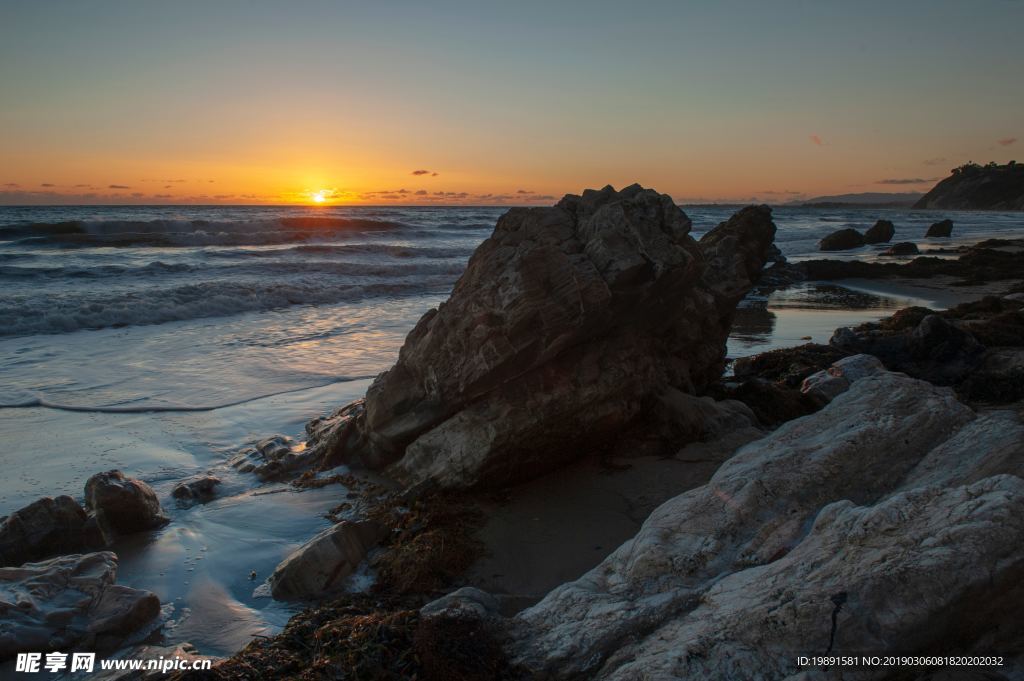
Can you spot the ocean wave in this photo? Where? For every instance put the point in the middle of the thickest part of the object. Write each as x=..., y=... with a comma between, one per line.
x=262, y=268
x=171, y=233
x=390, y=250
x=63, y=313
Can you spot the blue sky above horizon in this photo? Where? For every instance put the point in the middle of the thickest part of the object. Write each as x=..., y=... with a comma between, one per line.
x=267, y=102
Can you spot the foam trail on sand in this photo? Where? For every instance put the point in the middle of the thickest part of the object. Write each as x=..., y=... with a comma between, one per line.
x=46, y=404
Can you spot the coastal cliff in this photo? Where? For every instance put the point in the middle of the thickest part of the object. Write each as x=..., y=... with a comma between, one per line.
x=974, y=187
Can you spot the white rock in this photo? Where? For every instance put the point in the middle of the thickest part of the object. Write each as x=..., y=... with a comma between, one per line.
x=892, y=479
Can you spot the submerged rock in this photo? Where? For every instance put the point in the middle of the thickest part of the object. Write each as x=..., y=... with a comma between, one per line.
x=321, y=564
x=858, y=528
x=198, y=488
x=881, y=232
x=272, y=457
x=69, y=602
x=902, y=248
x=940, y=229
x=122, y=505
x=566, y=323
x=842, y=240
x=43, y=528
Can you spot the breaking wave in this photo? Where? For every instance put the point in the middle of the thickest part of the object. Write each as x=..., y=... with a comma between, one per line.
x=170, y=233
x=62, y=313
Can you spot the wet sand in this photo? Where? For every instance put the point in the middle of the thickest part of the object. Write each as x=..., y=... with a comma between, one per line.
x=552, y=530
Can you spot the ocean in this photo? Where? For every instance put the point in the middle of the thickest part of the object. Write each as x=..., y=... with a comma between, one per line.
x=161, y=340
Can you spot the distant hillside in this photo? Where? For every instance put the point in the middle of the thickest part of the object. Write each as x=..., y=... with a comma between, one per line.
x=974, y=187
x=874, y=199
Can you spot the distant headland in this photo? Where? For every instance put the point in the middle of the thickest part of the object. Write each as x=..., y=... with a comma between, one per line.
x=976, y=187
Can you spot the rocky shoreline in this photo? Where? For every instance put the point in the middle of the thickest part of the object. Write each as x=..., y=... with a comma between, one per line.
x=863, y=495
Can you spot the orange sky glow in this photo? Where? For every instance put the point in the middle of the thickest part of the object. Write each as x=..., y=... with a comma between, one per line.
x=452, y=103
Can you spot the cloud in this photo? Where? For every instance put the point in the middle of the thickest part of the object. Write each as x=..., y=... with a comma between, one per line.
x=424, y=172
x=524, y=191
x=12, y=184
x=1006, y=141
x=47, y=184
x=906, y=180
x=83, y=186
x=937, y=161
x=138, y=195
x=422, y=192
x=817, y=141
x=118, y=186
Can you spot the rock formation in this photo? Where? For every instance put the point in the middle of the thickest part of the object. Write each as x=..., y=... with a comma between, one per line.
x=567, y=323
x=122, y=505
x=842, y=240
x=198, y=488
x=69, y=602
x=43, y=528
x=321, y=564
x=972, y=187
x=859, y=528
x=881, y=232
x=943, y=228
x=902, y=248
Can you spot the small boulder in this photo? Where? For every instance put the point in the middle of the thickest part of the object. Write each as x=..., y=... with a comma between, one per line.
x=272, y=458
x=902, y=248
x=941, y=229
x=122, y=505
x=881, y=232
x=825, y=385
x=44, y=528
x=70, y=602
x=843, y=240
x=467, y=601
x=198, y=488
x=321, y=564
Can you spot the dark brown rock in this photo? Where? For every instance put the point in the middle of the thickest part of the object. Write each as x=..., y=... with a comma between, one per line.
x=881, y=232
x=842, y=240
x=940, y=229
x=567, y=321
x=122, y=505
x=43, y=528
x=902, y=248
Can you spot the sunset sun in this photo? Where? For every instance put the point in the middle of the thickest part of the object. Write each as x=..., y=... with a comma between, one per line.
x=320, y=196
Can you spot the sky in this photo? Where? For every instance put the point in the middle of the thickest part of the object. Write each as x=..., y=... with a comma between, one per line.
x=231, y=101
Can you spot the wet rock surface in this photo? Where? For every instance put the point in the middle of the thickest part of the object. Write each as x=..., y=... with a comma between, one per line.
x=943, y=228
x=122, y=505
x=321, y=565
x=842, y=240
x=44, y=528
x=196, y=489
x=566, y=323
x=70, y=601
x=881, y=232
x=902, y=248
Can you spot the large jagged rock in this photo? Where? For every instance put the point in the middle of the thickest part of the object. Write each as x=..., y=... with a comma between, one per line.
x=568, y=321
x=69, y=602
x=44, y=528
x=894, y=512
